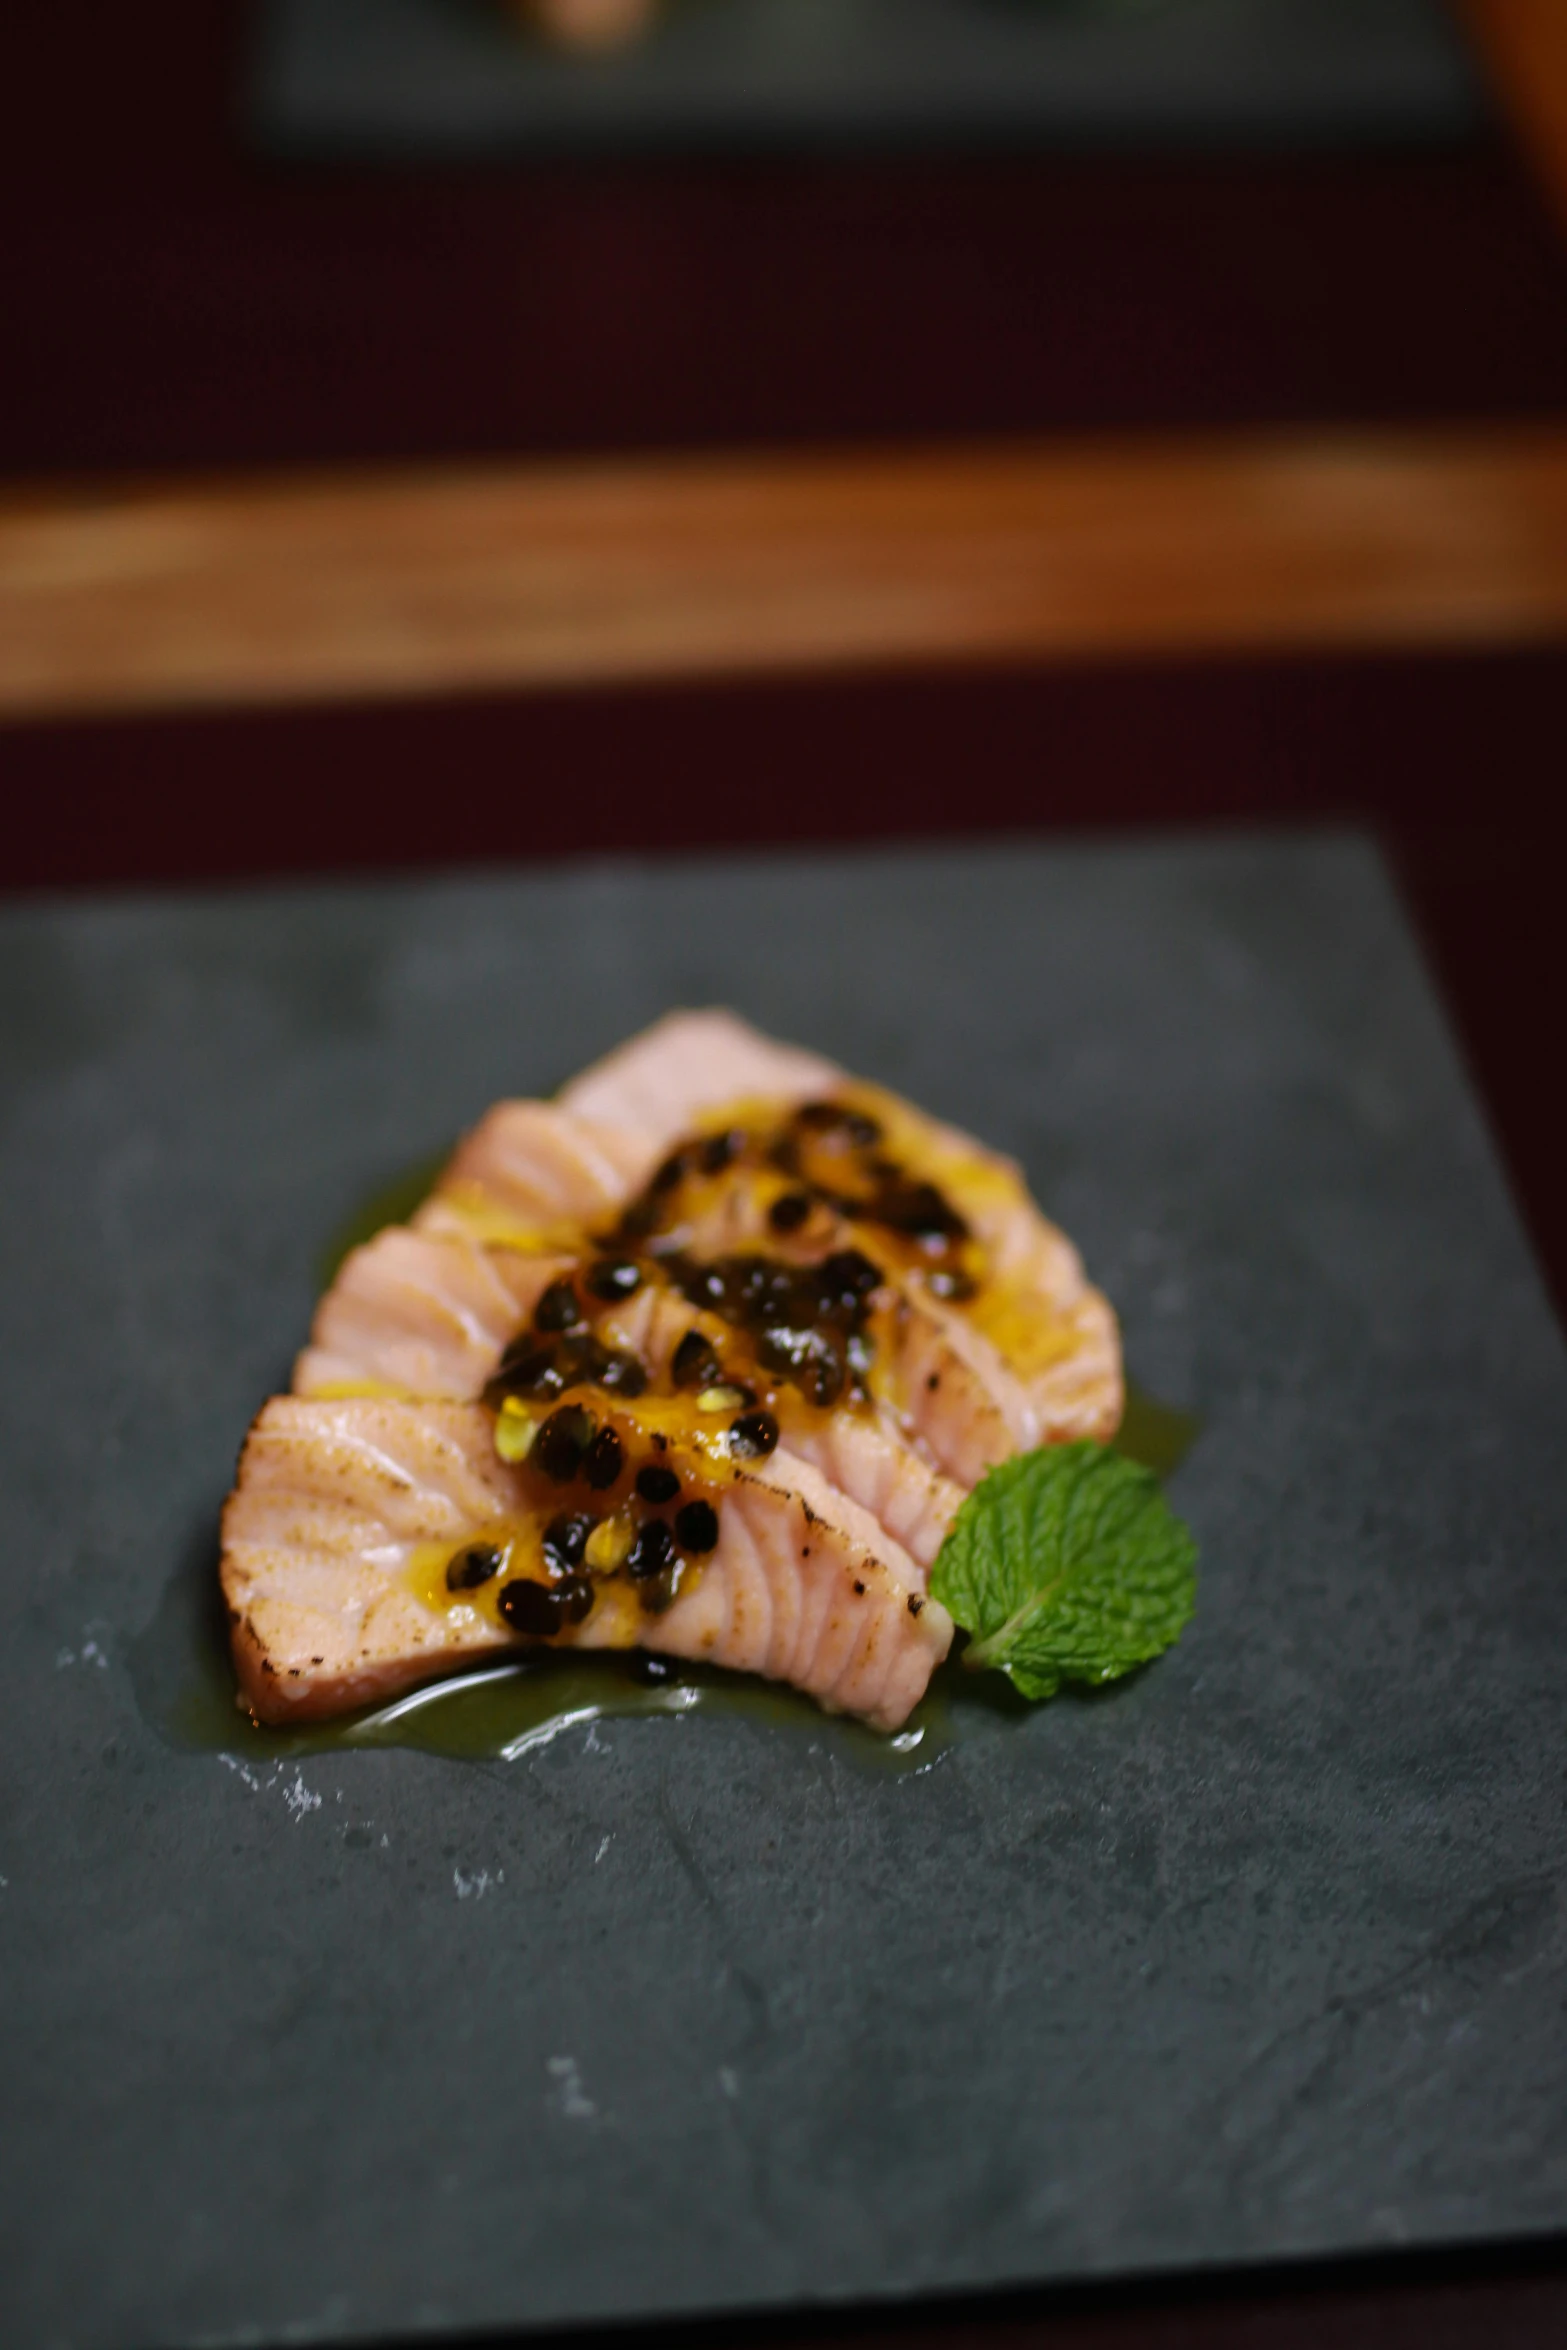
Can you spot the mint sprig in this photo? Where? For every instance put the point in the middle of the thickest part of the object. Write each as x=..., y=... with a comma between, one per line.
x=1066, y=1564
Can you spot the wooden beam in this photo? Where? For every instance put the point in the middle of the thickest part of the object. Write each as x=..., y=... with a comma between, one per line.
x=513, y=576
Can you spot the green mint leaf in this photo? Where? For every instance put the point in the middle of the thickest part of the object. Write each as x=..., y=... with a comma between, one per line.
x=1066, y=1564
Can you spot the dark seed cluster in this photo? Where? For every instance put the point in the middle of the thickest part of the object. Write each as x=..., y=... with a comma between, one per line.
x=575, y=1450
x=539, y=1365
x=834, y=1156
x=806, y=1325
x=805, y=1322
x=833, y=1151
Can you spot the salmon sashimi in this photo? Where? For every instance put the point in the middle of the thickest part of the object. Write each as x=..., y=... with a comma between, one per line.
x=984, y=1279
x=533, y=1172
x=700, y=1358
x=861, y=1448
x=970, y=1399
x=421, y=1313
x=688, y=1064
x=965, y=1234
x=373, y=1544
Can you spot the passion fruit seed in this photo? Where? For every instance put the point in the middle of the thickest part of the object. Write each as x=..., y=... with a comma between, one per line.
x=657, y=1484
x=695, y=1362
x=659, y=1593
x=526, y=1368
x=845, y=1280
x=479, y=1563
x=719, y=1399
x=608, y=1544
x=515, y=1430
x=720, y=1149
x=540, y=1610
x=639, y=1220
x=621, y=1373
x=562, y=1441
x=789, y=1211
x=696, y=1527
x=604, y=1460
x=559, y=1308
x=753, y=1435
x=564, y=1541
x=651, y=1552
x=917, y=1209
x=521, y=1352
x=612, y=1278
x=849, y=1127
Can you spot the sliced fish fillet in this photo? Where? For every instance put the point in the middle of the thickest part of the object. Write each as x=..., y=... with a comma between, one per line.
x=979, y=1413
x=533, y=1173
x=382, y=1456
x=422, y=1313
x=336, y=1501
x=949, y=1383
x=1049, y=1358
x=863, y=1453
x=971, y=1409
x=667, y=1079
x=1038, y=1322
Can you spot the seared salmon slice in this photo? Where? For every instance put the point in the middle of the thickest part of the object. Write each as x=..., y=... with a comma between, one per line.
x=700, y=1358
x=1047, y=1365
x=370, y=1545
x=420, y=1313
x=861, y=1450
x=685, y=1066
x=532, y=1172
x=1034, y=1349
x=430, y=1314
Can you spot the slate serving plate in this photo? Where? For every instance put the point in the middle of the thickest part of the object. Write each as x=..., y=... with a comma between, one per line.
x=1260, y=1954
x=454, y=76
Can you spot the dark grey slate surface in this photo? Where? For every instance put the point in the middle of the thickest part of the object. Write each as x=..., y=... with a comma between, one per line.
x=453, y=76
x=1262, y=1954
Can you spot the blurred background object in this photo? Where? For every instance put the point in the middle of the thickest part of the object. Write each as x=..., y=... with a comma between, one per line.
x=1185, y=444
x=492, y=577
x=1524, y=45
x=586, y=24
x=448, y=77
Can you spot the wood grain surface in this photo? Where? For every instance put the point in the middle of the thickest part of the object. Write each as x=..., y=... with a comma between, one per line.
x=510, y=576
